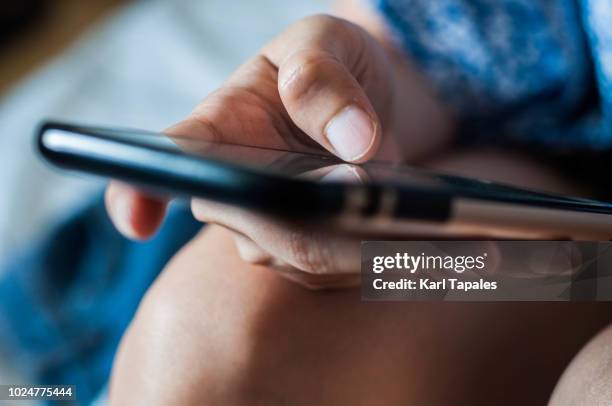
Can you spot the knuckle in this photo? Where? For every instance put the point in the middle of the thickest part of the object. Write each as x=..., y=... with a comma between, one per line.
x=309, y=254
x=207, y=127
x=304, y=73
x=324, y=23
x=325, y=26
x=319, y=64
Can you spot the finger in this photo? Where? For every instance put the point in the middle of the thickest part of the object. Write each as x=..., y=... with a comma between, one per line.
x=325, y=81
x=259, y=239
x=136, y=215
x=304, y=247
x=252, y=253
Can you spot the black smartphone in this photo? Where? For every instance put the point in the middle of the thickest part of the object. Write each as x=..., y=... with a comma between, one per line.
x=375, y=198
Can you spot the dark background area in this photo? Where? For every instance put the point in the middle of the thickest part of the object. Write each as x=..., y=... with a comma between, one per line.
x=32, y=31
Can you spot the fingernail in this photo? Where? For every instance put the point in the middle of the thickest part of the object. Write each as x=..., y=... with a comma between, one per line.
x=122, y=212
x=351, y=133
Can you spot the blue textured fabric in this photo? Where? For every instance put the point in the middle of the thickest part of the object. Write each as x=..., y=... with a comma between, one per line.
x=65, y=303
x=536, y=71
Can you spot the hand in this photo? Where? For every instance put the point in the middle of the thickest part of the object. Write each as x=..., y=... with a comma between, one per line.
x=323, y=83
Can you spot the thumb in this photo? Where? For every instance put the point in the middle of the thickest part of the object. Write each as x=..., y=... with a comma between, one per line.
x=330, y=74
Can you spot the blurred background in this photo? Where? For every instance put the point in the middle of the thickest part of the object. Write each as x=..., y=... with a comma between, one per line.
x=142, y=64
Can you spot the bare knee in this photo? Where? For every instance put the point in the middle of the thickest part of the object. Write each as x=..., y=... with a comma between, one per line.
x=213, y=330
x=588, y=379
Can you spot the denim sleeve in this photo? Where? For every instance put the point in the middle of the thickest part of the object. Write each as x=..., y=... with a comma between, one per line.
x=534, y=71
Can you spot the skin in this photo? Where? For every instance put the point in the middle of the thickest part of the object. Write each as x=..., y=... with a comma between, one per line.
x=587, y=380
x=225, y=324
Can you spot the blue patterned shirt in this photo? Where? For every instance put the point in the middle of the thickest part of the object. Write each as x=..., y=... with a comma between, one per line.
x=536, y=71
